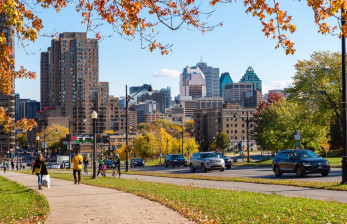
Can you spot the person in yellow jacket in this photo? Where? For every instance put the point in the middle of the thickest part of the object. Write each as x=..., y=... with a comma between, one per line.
x=77, y=161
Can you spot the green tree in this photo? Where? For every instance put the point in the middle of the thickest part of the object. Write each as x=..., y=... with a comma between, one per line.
x=317, y=81
x=275, y=131
x=222, y=141
x=142, y=147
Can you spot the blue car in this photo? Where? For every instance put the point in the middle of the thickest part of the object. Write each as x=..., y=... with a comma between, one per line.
x=137, y=162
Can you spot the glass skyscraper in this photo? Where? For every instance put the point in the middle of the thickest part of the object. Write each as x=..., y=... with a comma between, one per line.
x=251, y=77
x=223, y=80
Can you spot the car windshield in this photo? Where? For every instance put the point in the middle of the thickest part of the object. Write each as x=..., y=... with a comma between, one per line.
x=208, y=155
x=220, y=155
x=306, y=154
x=138, y=160
x=176, y=156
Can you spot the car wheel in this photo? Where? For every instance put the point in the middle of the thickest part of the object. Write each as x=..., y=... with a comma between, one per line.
x=221, y=170
x=325, y=173
x=299, y=171
x=192, y=168
x=166, y=166
x=203, y=168
x=172, y=164
x=185, y=165
x=229, y=167
x=277, y=171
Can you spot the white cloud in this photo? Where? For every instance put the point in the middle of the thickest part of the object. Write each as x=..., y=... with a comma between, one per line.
x=276, y=85
x=167, y=73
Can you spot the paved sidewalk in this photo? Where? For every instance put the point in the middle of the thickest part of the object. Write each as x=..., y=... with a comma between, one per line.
x=82, y=203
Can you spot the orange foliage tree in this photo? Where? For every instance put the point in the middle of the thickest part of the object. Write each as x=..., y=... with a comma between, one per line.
x=141, y=18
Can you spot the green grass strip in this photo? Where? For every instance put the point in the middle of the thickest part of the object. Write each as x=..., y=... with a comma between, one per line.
x=295, y=183
x=20, y=204
x=223, y=206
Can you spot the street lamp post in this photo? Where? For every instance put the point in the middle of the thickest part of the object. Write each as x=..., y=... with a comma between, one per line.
x=344, y=98
x=127, y=99
x=94, y=117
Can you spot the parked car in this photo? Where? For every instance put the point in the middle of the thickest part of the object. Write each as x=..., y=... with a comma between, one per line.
x=109, y=164
x=137, y=162
x=227, y=161
x=175, y=160
x=301, y=162
x=206, y=161
x=55, y=166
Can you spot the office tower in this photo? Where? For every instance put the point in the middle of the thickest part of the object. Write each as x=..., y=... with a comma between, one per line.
x=192, y=83
x=157, y=96
x=70, y=79
x=223, y=80
x=209, y=102
x=167, y=93
x=143, y=108
x=250, y=99
x=212, y=79
x=7, y=140
x=234, y=91
x=251, y=77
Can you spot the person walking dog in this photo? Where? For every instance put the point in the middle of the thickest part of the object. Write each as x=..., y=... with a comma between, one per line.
x=40, y=169
x=77, y=161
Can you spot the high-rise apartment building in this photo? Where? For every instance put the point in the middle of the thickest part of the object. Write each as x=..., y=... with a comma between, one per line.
x=212, y=79
x=7, y=140
x=251, y=77
x=223, y=80
x=28, y=109
x=192, y=83
x=70, y=80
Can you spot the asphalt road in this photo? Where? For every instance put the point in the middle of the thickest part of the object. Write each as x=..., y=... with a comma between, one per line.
x=250, y=172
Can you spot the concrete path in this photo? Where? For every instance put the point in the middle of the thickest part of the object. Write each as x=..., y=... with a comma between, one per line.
x=326, y=195
x=82, y=203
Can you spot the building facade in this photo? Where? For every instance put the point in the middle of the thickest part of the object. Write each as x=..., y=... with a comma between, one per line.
x=208, y=123
x=212, y=79
x=7, y=140
x=70, y=81
x=223, y=80
x=192, y=83
x=209, y=102
x=251, y=77
x=234, y=91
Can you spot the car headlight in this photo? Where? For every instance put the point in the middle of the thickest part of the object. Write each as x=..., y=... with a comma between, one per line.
x=306, y=164
x=327, y=163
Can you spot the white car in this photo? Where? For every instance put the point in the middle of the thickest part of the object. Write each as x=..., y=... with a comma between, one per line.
x=55, y=166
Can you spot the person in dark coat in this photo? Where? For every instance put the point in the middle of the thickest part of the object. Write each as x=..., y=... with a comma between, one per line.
x=40, y=169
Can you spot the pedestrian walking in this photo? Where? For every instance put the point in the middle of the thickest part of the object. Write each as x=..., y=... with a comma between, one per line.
x=101, y=165
x=12, y=164
x=40, y=169
x=85, y=165
x=77, y=166
x=117, y=164
x=4, y=165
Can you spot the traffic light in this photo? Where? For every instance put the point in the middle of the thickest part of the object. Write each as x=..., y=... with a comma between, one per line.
x=147, y=139
x=188, y=151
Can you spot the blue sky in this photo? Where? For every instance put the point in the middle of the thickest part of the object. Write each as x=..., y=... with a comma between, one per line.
x=232, y=48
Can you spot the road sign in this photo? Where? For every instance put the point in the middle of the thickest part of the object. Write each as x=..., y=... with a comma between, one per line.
x=297, y=136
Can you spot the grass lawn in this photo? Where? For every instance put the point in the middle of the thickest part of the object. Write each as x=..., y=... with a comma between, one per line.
x=295, y=183
x=222, y=206
x=20, y=204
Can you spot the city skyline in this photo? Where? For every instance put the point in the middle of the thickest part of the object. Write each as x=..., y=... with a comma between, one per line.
x=231, y=48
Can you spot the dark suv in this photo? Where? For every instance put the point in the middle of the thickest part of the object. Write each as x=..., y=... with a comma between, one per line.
x=175, y=160
x=300, y=162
